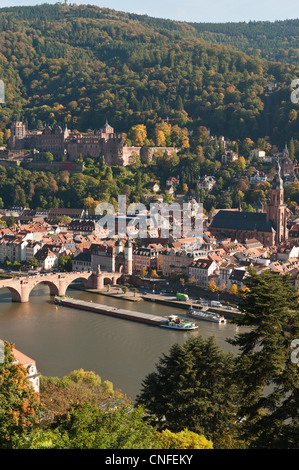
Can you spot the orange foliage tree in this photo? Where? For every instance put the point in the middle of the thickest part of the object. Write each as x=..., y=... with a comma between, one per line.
x=19, y=404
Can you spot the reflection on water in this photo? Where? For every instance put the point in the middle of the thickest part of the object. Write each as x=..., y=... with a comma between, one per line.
x=62, y=339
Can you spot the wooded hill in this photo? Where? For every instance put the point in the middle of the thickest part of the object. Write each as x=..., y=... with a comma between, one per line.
x=83, y=65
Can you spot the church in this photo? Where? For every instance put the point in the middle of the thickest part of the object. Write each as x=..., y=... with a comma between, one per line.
x=269, y=228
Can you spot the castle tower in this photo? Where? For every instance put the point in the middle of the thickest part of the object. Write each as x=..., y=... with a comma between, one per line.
x=277, y=209
x=128, y=258
x=18, y=135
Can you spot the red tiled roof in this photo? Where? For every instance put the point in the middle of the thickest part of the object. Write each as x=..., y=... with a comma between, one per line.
x=22, y=358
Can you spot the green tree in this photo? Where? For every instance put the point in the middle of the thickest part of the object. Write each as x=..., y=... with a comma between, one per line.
x=192, y=389
x=49, y=157
x=65, y=262
x=135, y=290
x=20, y=197
x=292, y=149
x=268, y=378
x=63, y=219
x=33, y=261
x=116, y=427
x=11, y=222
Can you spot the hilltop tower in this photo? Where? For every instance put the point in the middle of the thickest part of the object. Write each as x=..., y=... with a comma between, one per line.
x=277, y=209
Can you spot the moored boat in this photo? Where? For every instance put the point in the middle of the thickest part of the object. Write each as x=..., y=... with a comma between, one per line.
x=175, y=323
x=205, y=315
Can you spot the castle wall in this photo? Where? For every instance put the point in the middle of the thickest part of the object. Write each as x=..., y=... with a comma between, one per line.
x=128, y=154
x=147, y=153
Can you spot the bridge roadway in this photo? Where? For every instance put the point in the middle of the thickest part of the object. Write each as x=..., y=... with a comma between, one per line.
x=20, y=287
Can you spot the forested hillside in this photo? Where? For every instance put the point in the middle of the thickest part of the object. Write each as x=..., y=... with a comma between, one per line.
x=277, y=41
x=81, y=65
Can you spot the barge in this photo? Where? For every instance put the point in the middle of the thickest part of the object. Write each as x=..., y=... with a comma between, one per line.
x=205, y=315
x=172, y=322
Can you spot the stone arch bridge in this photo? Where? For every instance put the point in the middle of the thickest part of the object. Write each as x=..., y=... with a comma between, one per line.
x=20, y=287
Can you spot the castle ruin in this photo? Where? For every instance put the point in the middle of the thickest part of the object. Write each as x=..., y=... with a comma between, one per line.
x=103, y=143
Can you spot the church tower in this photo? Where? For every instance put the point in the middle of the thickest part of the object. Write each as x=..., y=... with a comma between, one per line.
x=277, y=209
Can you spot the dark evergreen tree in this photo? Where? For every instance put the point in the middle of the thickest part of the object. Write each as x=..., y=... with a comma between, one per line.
x=268, y=378
x=191, y=388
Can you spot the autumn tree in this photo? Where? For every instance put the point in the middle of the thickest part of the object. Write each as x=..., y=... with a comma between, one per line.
x=223, y=286
x=143, y=272
x=138, y=134
x=233, y=289
x=212, y=286
x=183, y=440
x=240, y=165
x=19, y=404
x=90, y=204
x=154, y=274
x=58, y=395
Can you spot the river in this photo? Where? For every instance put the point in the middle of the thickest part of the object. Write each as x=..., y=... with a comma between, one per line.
x=62, y=339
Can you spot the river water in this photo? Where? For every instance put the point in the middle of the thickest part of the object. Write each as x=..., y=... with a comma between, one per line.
x=62, y=339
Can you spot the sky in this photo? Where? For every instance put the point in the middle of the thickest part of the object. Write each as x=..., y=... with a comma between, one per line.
x=215, y=11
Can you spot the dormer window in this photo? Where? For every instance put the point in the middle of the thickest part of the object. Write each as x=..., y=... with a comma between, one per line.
x=31, y=369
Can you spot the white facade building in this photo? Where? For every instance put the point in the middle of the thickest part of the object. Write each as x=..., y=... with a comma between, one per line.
x=30, y=366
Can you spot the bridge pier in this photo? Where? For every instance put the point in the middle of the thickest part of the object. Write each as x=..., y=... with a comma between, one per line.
x=25, y=291
x=61, y=285
x=99, y=282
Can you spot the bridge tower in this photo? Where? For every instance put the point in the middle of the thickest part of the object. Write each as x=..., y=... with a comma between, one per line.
x=128, y=258
x=99, y=279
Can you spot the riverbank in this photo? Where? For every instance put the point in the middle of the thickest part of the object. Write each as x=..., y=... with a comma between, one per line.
x=162, y=298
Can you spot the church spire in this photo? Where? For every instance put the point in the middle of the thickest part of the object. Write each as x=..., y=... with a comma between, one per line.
x=277, y=209
x=286, y=150
x=278, y=179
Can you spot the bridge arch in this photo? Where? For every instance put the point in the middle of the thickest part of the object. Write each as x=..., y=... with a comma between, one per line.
x=15, y=294
x=52, y=286
x=84, y=280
